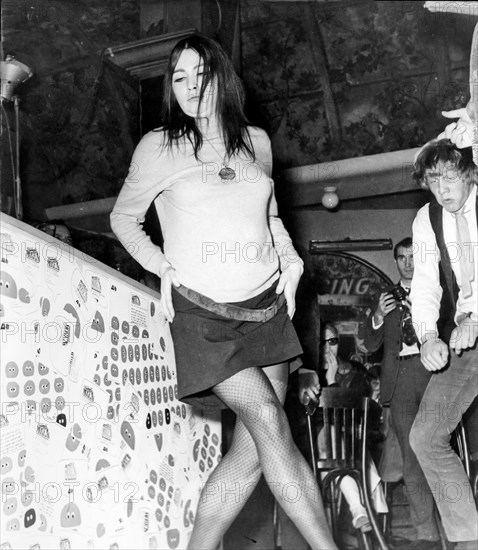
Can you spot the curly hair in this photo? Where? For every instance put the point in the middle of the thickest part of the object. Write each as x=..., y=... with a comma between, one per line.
x=440, y=153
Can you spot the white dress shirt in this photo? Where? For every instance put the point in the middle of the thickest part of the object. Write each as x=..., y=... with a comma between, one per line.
x=426, y=291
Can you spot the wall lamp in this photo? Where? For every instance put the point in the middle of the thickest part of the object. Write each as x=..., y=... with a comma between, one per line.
x=318, y=247
x=12, y=73
x=330, y=199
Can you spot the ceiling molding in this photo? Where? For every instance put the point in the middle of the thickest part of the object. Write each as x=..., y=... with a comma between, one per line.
x=148, y=57
x=458, y=8
x=359, y=177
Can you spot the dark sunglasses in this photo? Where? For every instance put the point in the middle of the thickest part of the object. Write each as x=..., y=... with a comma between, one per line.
x=331, y=341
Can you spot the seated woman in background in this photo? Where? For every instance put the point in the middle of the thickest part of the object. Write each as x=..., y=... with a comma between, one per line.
x=338, y=371
x=346, y=374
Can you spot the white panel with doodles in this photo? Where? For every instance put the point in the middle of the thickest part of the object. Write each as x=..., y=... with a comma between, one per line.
x=96, y=450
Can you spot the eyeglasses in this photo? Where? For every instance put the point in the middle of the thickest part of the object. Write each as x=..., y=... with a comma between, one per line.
x=331, y=341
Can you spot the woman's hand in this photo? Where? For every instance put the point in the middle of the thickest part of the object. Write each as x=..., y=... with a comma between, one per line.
x=168, y=279
x=331, y=365
x=309, y=386
x=288, y=283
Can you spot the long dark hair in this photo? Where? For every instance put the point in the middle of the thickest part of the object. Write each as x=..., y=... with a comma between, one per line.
x=230, y=98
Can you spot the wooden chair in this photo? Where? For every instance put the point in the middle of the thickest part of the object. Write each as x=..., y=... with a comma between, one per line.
x=460, y=443
x=345, y=423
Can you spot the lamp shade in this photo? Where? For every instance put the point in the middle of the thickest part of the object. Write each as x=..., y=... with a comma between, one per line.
x=12, y=73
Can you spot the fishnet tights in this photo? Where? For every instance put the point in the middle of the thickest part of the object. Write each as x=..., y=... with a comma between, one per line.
x=262, y=444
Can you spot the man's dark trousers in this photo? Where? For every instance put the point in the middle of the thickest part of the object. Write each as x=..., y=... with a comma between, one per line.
x=412, y=380
x=402, y=384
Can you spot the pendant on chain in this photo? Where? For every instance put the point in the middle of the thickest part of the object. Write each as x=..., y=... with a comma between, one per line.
x=226, y=173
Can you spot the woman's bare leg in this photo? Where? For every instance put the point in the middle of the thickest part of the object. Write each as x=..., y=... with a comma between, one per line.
x=251, y=396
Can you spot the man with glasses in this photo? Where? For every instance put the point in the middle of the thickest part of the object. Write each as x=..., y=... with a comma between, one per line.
x=402, y=383
x=445, y=235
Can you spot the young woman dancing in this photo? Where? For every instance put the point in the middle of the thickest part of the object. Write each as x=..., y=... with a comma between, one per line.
x=229, y=275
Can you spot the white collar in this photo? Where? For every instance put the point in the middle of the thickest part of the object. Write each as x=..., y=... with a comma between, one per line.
x=406, y=287
x=470, y=203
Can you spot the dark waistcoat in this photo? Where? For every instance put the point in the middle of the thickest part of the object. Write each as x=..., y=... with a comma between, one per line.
x=448, y=282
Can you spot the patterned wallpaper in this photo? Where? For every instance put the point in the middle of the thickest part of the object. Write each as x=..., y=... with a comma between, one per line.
x=79, y=119
x=327, y=80
x=344, y=79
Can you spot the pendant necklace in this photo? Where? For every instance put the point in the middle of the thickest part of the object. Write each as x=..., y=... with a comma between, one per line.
x=226, y=173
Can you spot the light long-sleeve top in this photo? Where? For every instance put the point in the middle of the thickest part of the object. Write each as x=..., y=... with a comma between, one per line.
x=426, y=291
x=223, y=238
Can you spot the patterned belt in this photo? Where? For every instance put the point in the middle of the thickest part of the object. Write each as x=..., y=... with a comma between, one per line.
x=410, y=356
x=230, y=311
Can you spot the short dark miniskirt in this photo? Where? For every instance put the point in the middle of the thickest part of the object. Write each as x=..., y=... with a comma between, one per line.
x=209, y=348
